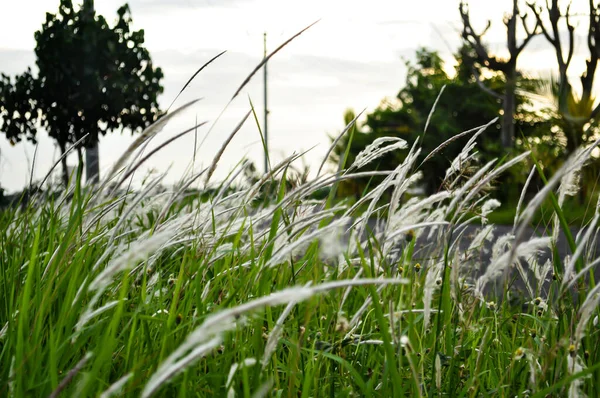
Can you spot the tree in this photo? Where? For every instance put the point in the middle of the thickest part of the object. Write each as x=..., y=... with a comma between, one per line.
x=576, y=113
x=17, y=110
x=507, y=67
x=92, y=79
x=462, y=106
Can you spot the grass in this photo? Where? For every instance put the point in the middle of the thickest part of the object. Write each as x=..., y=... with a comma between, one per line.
x=230, y=294
x=142, y=294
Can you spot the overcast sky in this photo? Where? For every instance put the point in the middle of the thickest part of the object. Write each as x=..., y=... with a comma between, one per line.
x=352, y=58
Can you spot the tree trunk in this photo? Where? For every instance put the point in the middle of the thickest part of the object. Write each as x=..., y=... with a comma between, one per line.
x=92, y=163
x=92, y=157
x=508, y=108
x=80, y=164
x=572, y=133
x=65, y=170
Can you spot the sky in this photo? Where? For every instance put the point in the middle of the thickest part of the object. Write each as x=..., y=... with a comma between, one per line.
x=354, y=57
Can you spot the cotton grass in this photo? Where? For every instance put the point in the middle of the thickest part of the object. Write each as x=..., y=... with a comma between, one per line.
x=244, y=287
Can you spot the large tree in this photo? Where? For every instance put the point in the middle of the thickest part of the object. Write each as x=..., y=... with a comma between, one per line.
x=462, y=106
x=92, y=78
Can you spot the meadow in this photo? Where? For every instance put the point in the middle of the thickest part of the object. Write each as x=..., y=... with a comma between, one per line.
x=260, y=289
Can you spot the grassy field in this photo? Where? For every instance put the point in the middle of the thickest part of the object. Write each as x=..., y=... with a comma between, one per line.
x=257, y=289
x=140, y=293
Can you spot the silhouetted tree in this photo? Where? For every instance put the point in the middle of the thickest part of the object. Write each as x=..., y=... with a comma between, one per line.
x=462, y=106
x=18, y=113
x=92, y=79
x=576, y=113
x=508, y=67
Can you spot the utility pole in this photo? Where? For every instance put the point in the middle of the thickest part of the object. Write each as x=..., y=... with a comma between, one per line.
x=92, y=156
x=266, y=129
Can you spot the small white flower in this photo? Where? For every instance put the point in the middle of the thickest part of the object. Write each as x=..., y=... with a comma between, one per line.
x=540, y=303
x=519, y=353
x=342, y=324
x=376, y=149
x=489, y=206
x=404, y=341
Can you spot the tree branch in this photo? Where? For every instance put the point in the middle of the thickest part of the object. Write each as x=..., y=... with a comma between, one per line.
x=587, y=78
x=571, y=29
x=530, y=33
x=475, y=42
x=554, y=15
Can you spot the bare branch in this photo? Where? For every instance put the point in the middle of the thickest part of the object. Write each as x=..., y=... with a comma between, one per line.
x=594, y=30
x=525, y=42
x=587, y=78
x=553, y=38
x=571, y=29
x=538, y=17
x=590, y=42
x=475, y=41
x=554, y=15
x=530, y=34
x=507, y=67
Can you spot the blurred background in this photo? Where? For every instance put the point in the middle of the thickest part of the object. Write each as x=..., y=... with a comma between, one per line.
x=360, y=55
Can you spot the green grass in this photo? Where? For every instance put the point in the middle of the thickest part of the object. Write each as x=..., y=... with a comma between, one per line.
x=271, y=287
x=142, y=294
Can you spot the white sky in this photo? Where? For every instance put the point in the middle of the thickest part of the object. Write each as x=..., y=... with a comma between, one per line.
x=351, y=58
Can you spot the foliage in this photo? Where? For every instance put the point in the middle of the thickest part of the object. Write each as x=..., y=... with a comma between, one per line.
x=18, y=113
x=92, y=79
x=461, y=107
x=573, y=113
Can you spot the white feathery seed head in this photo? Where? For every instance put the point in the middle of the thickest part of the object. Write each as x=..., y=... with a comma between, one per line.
x=377, y=149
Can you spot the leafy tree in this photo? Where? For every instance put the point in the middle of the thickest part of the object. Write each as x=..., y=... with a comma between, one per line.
x=462, y=106
x=17, y=110
x=92, y=79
